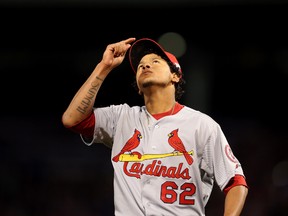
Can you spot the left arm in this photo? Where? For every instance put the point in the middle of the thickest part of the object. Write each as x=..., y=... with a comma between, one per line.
x=235, y=200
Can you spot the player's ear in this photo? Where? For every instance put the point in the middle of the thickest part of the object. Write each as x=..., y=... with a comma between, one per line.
x=175, y=77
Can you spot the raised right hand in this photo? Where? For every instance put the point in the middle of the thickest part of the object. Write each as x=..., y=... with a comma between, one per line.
x=115, y=53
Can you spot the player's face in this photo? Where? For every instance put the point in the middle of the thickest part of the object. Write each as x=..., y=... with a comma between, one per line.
x=153, y=71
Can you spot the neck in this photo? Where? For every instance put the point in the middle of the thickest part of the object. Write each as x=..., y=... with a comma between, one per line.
x=158, y=99
x=160, y=105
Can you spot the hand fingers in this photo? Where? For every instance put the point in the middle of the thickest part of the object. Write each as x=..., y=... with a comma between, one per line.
x=121, y=47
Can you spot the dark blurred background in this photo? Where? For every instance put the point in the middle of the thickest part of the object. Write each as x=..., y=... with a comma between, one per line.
x=234, y=55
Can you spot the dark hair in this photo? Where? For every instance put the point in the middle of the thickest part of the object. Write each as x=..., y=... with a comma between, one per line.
x=179, y=91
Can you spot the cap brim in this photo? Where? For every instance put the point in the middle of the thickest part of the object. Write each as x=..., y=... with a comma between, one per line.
x=142, y=47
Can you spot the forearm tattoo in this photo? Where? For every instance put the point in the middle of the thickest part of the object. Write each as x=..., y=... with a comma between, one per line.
x=99, y=78
x=89, y=98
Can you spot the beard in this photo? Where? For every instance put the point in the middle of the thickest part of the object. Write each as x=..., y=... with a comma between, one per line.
x=149, y=83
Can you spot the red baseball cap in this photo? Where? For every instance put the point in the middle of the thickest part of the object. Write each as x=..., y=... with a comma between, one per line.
x=145, y=46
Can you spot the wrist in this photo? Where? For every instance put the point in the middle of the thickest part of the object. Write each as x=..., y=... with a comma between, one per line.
x=101, y=71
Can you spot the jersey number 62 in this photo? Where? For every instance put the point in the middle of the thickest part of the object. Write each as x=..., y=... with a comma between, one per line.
x=169, y=195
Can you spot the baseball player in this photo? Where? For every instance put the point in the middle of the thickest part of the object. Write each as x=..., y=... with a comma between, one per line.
x=166, y=156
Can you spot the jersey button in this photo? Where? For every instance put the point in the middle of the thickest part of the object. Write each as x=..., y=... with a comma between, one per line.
x=157, y=126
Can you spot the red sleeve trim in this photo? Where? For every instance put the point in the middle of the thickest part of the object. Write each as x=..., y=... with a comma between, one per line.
x=85, y=127
x=234, y=181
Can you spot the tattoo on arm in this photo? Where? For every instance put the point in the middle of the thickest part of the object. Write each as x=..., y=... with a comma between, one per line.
x=89, y=98
x=99, y=78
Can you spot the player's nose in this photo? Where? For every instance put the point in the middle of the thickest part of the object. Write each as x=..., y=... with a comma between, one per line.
x=146, y=66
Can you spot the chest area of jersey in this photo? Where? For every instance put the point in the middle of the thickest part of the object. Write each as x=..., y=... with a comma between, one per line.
x=165, y=150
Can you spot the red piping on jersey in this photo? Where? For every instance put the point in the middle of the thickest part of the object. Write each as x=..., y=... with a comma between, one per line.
x=175, y=110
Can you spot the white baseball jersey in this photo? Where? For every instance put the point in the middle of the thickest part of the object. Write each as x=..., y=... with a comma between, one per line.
x=166, y=166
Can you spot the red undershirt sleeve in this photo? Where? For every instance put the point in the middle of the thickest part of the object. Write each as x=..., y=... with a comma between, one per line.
x=234, y=181
x=85, y=127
